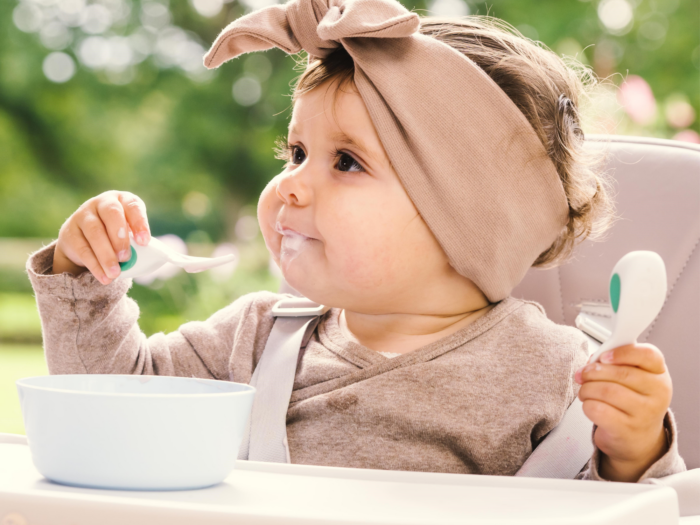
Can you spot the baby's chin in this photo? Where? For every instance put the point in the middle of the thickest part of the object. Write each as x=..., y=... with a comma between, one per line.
x=298, y=267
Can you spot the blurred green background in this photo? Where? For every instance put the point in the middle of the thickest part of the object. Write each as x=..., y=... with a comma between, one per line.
x=112, y=94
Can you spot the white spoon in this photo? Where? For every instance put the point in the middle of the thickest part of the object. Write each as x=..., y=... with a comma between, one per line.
x=146, y=259
x=637, y=292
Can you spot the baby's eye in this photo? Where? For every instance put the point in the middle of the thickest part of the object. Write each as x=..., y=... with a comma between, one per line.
x=347, y=163
x=298, y=155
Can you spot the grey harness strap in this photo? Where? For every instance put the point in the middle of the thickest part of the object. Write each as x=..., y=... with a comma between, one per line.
x=567, y=448
x=561, y=454
x=265, y=436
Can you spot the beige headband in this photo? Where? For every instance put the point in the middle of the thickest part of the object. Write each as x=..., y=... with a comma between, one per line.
x=467, y=156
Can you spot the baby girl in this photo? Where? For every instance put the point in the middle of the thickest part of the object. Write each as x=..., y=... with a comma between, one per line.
x=429, y=163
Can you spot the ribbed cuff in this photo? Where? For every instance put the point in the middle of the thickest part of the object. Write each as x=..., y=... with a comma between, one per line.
x=66, y=285
x=670, y=463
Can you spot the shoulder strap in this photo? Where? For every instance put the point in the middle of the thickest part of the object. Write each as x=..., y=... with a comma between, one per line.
x=265, y=436
x=567, y=448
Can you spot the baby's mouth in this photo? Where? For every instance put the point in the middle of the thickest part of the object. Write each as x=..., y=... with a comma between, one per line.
x=292, y=242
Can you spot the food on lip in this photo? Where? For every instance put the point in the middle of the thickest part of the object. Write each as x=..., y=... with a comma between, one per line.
x=288, y=231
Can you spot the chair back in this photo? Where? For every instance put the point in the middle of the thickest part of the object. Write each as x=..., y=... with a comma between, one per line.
x=657, y=187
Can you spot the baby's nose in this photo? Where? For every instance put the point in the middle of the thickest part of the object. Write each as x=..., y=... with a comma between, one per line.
x=292, y=189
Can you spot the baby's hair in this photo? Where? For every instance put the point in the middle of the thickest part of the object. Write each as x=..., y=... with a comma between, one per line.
x=546, y=88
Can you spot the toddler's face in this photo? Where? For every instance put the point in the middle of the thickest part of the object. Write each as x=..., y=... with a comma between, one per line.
x=337, y=220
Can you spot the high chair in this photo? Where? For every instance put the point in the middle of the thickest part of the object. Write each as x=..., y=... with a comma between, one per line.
x=658, y=197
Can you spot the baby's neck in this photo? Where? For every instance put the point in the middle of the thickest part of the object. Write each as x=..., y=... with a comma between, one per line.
x=402, y=333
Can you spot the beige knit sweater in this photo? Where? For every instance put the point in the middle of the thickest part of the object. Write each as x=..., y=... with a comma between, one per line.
x=472, y=402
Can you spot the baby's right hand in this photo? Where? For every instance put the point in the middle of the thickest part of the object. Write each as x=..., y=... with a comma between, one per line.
x=96, y=236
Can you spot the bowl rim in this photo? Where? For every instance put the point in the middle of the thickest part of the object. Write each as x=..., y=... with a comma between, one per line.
x=246, y=391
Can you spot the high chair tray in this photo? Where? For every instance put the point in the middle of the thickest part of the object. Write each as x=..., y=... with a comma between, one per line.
x=267, y=493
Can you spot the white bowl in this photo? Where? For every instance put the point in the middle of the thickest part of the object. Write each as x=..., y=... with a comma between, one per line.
x=134, y=432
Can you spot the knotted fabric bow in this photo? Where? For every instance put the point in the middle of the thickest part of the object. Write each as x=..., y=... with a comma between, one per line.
x=468, y=158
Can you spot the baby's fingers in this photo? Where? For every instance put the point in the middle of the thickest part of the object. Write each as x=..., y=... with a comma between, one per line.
x=632, y=377
x=81, y=247
x=94, y=232
x=645, y=356
x=111, y=212
x=135, y=211
x=617, y=396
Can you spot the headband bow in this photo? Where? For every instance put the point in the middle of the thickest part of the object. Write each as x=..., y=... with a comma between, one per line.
x=468, y=158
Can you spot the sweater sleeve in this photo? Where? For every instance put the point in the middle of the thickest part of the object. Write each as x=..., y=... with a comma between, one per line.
x=93, y=328
x=670, y=463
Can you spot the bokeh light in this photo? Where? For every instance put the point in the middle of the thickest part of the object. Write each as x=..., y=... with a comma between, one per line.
x=208, y=8
x=679, y=113
x=688, y=135
x=616, y=15
x=449, y=8
x=247, y=228
x=225, y=271
x=637, y=98
x=247, y=90
x=58, y=67
x=196, y=204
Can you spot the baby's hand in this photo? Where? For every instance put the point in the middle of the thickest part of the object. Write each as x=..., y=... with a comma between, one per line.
x=96, y=236
x=627, y=395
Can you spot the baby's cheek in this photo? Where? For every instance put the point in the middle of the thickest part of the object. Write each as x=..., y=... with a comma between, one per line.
x=361, y=232
x=268, y=209
x=364, y=263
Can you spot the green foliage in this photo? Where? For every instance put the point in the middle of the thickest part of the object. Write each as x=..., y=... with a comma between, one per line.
x=163, y=134
x=16, y=362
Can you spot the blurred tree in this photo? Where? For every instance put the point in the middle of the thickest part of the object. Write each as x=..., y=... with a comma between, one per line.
x=103, y=94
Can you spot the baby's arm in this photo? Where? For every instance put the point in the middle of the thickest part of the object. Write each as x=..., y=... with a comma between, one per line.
x=92, y=328
x=90, y=325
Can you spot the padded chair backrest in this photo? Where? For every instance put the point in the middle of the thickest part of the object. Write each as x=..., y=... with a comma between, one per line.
x=657, y=187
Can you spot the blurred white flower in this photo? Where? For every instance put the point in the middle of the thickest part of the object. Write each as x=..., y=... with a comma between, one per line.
x=58, y=67
x=616, y=15
x=141, y=42
x=72, y=12
x=208, y=8
x=55, y=35
x=97, y=19
x=118, y=9
x=27, y=17
x=168, y=44
x=154, y=15
x=247, y=91
x=449, y=8
x=120, y=53
x=93, y=52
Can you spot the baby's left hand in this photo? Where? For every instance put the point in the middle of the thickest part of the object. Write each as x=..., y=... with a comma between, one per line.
x=627, y=395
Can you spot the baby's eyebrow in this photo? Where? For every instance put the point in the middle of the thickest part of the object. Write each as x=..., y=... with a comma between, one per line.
x=342, y=138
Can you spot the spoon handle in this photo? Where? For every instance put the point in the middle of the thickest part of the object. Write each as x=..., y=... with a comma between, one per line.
x=637, y=293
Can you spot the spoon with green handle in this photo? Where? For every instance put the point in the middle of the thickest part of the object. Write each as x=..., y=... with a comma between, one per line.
x=637, y=292
x=146, y=259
